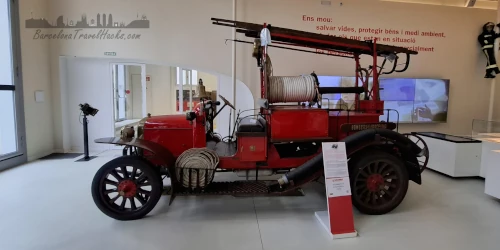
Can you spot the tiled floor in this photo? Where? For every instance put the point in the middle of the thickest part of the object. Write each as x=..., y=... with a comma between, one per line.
x=47, y=205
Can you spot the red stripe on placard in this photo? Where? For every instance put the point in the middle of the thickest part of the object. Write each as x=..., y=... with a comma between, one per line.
x=341, y=215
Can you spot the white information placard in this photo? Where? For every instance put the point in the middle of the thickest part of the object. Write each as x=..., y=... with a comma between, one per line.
x=338, y=220
x=336, y=170
x=338, y=186
x=335, y=159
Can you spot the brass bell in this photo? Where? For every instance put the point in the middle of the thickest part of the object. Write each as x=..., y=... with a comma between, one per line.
x=257, y=48
x=200, y=91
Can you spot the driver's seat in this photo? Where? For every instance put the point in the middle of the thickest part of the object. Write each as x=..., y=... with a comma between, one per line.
x=252, y=124
x=252, y=139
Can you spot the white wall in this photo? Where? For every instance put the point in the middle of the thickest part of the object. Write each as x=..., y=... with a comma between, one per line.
x=134, y=99
x=161, y=89
x=244, y=101
x=209, y=81
x=456, y=57
x=36, y=55
x=89, y=81
x=163, y=86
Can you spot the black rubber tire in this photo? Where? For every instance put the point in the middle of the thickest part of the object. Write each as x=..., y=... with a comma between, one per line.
x=364, y=159
x=144, y=166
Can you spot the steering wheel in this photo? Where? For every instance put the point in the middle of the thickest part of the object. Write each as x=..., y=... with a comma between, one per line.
x=227, y=102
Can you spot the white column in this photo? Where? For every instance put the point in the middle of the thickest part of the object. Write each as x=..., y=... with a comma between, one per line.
x=233, y=64
x=494, y=80
x=144, y=91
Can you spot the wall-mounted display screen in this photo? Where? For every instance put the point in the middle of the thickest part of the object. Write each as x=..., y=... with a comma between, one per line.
x=405, y=99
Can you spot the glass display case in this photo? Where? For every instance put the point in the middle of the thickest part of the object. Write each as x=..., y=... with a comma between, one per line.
x=450, y=138
x=489, y=133
x=486, y=130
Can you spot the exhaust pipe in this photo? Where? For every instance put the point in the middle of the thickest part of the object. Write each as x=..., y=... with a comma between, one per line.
x=316, y=163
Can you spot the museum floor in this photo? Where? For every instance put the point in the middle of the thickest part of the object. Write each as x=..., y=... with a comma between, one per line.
x=47, y=205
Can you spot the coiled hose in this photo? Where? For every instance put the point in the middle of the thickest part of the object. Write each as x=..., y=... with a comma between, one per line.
x=289, y=88
x=292, y=89
x=197, y=167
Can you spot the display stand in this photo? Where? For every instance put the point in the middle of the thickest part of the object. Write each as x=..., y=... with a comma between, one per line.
x=338, y=220
x=489, y=133
x=457, y=157
x=488, y=147
x=492, y=185
x=86, y=156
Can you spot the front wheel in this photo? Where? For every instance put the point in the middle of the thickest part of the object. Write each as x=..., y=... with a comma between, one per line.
x=379, y=181
x=127, y=188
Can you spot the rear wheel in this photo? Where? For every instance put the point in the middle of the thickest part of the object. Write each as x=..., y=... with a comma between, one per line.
x=127, y=188
x=379, y=181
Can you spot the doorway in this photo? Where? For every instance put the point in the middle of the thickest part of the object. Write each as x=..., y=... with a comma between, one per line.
x=105, y=85
x=129, y=95
x=12, y=130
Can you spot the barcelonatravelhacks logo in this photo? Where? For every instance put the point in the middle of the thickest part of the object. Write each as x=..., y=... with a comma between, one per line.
x=101, y=27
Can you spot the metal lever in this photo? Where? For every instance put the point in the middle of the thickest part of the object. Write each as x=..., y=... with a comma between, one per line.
x=407, y=64
x=395, y=63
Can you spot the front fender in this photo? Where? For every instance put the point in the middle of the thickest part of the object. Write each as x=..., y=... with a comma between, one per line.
x=160, y=153
x=368, y=138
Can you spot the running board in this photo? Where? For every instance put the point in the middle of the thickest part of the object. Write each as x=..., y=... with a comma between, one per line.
x=237, y=189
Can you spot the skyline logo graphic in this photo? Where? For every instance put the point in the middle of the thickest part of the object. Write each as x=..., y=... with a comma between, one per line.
x=103, y=27
x=101, y=21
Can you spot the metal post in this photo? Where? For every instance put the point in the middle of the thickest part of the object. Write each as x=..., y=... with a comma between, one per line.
x=229, y=132
x=263, y=80
x=375, y=88
x=86, y=156
x=85, y=139
x=356, y=58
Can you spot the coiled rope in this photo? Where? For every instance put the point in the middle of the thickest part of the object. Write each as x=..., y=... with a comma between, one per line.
x=197, y=166
x=289, y=88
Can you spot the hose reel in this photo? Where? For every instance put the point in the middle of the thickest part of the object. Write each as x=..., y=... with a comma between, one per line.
x=292, y=89
x=282, y=89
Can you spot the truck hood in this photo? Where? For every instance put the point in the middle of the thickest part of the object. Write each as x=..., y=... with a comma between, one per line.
x=167, y=122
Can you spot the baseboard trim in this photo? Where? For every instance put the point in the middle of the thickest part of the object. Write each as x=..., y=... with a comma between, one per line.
x=93, y=150
x=62, y=151
x=37, y=156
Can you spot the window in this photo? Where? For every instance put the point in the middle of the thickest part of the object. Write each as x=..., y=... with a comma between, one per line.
x=186, y=90
x=12, y=147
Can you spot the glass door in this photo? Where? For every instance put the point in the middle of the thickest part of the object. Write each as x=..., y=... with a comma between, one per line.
x=12, y=146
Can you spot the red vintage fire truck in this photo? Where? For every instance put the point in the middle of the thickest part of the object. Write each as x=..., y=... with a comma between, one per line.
x=283, y=137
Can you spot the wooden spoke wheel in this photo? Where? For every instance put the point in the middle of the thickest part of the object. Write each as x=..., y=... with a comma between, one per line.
x=379, y=181
x=127, y=188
